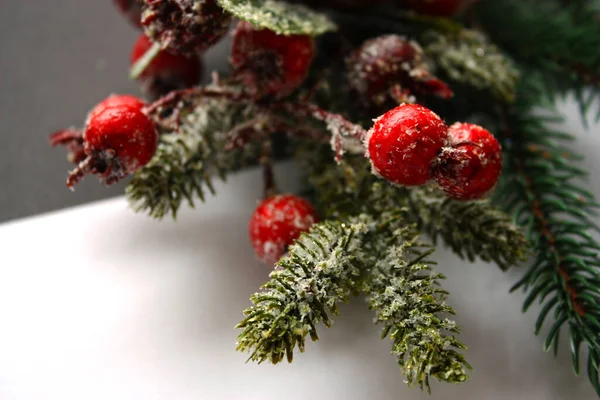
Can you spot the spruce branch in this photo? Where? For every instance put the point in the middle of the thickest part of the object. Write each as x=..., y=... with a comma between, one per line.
x=186, y=160
x=540, y=189
x=472, y=229
x=333, y=261
x=323, y=267
x=469, y=58
x=404, y=292
x=556, y=41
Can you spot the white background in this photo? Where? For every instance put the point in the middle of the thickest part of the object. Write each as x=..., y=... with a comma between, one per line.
x=97, y=302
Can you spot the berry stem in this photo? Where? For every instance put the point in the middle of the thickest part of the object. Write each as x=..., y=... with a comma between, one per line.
x=266, y=159
x=82, y=169
x=140, y=65
x=339, y=127
x=65, y=137
x=189, y=94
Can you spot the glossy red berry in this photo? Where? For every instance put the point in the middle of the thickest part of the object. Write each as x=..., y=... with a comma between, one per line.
x=438, y=8
x=389, y=70
x=131, y=9
x=277, y=222
x=166, y=72
x=471, y=165
x=184, y=26
x=118, y=139
x=269, y=63
x=404, y=142
x=116, y=100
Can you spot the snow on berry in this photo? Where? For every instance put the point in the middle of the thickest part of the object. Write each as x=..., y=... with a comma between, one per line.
x=166, y=71
x=471, y=165
x=118, y=139
x=116, y=100
x=438, y=8
x=131, y=9
x=404, y=142
x=277, y=222
x=184, y=26
x=389, y=70
x=269, y=63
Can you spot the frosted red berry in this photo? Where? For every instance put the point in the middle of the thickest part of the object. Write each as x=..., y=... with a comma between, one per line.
x=117, y=100
x=118, y=139
x=438, y=8
x=131, y=9
x=389, y=70
x=269, y=63
x=471, y=165
x=184, y=26
x=277, y=222
x=404, y=142
x=166, y=72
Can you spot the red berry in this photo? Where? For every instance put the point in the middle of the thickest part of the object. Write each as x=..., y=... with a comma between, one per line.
x=268, y=63
x=117, y=100
x=390, y=70
x=439, y=8
x=184, y=26
x=471, y=165
x=277, y=222
x=118, y=139
x=404, y=142
x=166, y=72
x=131, y=9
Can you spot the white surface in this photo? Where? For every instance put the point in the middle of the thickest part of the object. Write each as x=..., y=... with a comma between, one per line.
x=100, y=303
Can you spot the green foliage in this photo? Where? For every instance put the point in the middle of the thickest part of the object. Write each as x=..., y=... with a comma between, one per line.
x=554, y=40
x=468, y=57
x=324, y=267
x=540, y=188
x=335, y=260
x=185, y=161
x=470, y=228
x=280, y=16
x=407, y=299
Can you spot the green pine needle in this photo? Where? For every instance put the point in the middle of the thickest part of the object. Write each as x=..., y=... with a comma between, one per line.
x=540, y=189
x=185, y=162
x=404, y=293
x=323, y=268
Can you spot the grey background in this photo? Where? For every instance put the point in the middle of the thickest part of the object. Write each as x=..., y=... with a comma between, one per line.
x=58, y=58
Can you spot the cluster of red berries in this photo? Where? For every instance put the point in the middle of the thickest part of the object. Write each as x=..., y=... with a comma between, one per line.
x=410, y=144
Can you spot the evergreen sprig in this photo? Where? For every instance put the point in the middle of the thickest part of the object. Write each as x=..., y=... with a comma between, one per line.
x=380, y=255
x=555, y=40
x=540, y=188
x=471, y=228
x=280, y=16
x=323, y=268
x=404, y=293
x=468, y=57
x=186, y=161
